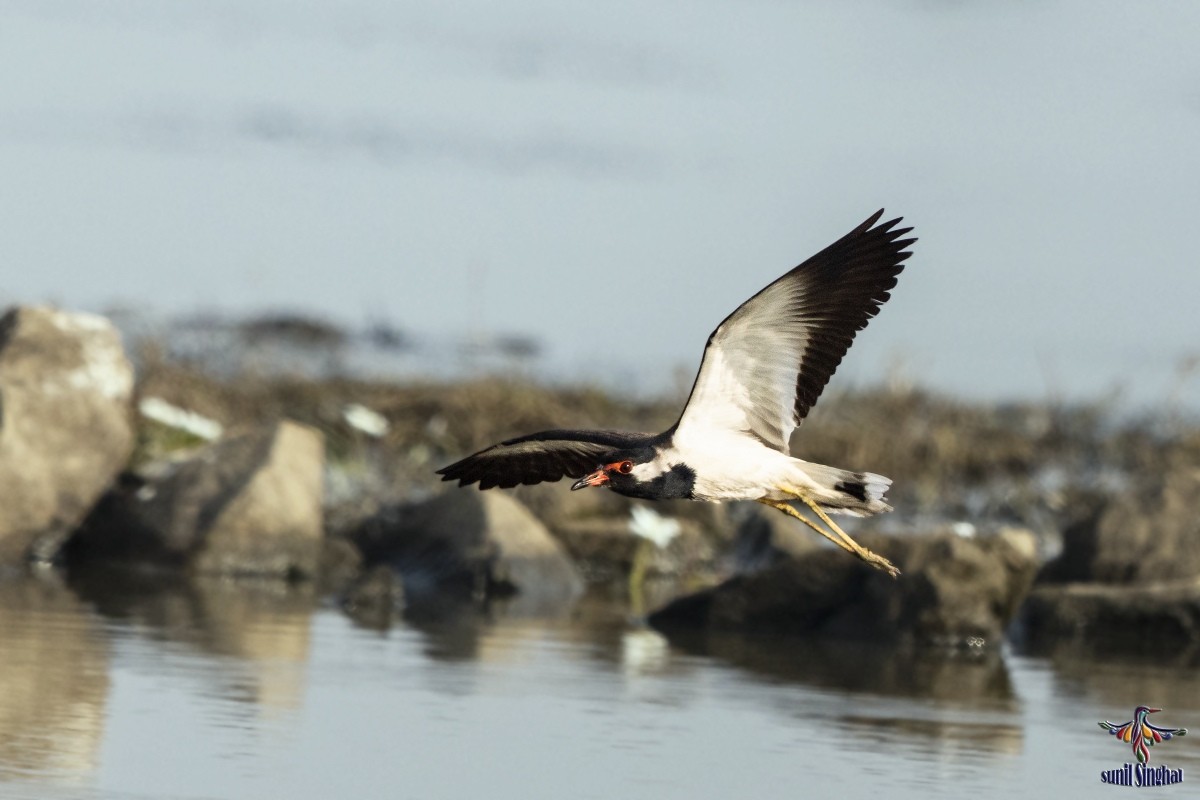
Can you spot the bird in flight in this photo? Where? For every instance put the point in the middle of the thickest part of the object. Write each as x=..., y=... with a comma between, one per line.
x=1140, y=734
x=763, y=369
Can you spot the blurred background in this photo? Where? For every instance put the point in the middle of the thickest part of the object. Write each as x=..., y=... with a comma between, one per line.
x=340, y=244
x=606, y=182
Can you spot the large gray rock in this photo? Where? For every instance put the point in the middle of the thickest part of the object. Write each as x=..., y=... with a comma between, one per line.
x=764, y=538
x=1150, y=619
x=953, y=592
x=247, y=505
x=1141, y=536
x=480, y=544
x=65, y=432
x=607, y=548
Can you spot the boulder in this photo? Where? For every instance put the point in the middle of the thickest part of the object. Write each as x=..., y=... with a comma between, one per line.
x=246, y=505
x=602, y=547
x=954, y=591
x=65, y=431
x=764, y=537
x=1152, y=619
x=1142, y=536
x=607, y=548
x=555, y=504
x=340, y=566
x=481, y=544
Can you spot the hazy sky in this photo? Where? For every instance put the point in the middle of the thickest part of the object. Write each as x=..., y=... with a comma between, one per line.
x=615, y=178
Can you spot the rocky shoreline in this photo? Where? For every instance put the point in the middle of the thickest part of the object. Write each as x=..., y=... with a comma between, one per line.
x=1054, y=526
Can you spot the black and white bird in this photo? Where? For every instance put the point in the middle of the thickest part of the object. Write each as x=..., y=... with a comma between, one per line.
x=763, y=369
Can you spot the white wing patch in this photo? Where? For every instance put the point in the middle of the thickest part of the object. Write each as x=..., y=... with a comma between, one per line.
x=747, y=381
x=768, y=362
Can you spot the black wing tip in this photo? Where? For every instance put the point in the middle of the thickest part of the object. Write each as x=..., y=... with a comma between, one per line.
x=451, y=471
x=888, y=235
x=870, y=221
x=456, y=472
x=870, y=226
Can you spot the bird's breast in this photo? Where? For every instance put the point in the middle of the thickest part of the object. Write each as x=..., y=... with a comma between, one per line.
x=732, y=467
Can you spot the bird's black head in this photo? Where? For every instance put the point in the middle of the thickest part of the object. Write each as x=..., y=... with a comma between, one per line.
x=640, y=473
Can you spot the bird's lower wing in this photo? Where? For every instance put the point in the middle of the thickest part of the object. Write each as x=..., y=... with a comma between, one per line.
x=539, y=457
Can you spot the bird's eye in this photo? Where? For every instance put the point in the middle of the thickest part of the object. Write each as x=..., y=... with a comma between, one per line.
x=625, y=467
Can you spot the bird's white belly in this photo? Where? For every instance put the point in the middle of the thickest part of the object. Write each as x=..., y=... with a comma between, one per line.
x=736, y=467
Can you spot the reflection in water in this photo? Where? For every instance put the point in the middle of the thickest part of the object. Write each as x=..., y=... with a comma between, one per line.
x=99, y=678
x=54, y=681
x=977, y=678
x=943, y=736
x=265, y=624
x=644, y=652
x=456, y=628
x=973, y=702
x=1126, y=680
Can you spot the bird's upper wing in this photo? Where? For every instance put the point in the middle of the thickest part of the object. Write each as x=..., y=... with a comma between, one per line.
x=766, y=364
x=544, y=456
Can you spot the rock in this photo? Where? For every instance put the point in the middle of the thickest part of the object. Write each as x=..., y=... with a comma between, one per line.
x=606, y=548
x=764, y=537
x=340, y=566
x=594, y=525
x=1150, y=619
x=247, y=505
x=954, y=592
x=1142, y=536
x=483, y=544
x=555, y=504
x=65, y=431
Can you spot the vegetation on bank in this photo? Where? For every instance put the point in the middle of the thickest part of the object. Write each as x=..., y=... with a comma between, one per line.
x=1035, y=464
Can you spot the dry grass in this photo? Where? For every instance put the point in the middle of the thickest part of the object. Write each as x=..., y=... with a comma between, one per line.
x=938, y=450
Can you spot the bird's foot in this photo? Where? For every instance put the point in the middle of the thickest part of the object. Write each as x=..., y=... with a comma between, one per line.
x=879, y=562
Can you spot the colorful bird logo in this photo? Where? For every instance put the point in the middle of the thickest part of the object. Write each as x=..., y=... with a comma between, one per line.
x=1141, y=734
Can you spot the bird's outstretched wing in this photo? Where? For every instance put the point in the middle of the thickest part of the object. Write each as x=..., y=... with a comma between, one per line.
x=538, y=457
x=766, y=364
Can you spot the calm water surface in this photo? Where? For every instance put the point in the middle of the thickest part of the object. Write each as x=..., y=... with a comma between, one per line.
x=216, y=690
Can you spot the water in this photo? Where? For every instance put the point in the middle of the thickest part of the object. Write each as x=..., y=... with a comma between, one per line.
x=217, y=690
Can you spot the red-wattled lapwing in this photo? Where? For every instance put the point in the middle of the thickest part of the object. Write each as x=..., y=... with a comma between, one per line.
x=763, y=369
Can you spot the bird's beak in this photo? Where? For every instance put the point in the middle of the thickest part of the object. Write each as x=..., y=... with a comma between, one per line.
x=1153, y=710
x=597, y=478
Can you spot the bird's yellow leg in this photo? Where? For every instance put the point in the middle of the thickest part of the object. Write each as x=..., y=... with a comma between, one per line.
x=791, y=512
x=843, y=539
x=851, y=545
